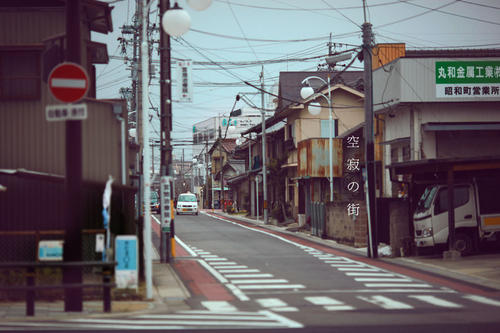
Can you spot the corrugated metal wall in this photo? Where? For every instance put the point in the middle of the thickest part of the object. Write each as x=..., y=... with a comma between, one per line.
x=314, y=158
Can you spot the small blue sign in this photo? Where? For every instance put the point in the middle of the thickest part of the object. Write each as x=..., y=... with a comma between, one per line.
x=126, y=253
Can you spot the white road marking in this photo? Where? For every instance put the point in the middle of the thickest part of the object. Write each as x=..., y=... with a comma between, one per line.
x=482, y=299
x=339, y=307
x=382, y=280
x=386, y=302
x=323, y=300
x=208, y=255
x=272, y=286
x=283, y=320
x=239, y=270
x=399, y=285
x=223, y=263
x=237, y=292
x=257, y=275
x=367, y=269
x=257, y=281
x=329, y=303
x=368, y=274
x=270, y=302
x=230, y=267
x=436, y=301
x=188, y=250
x=216, y=259
x=213, y=271
x=349, y=265
x=221, y=306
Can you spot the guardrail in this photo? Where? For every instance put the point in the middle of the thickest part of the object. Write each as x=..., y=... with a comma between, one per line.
x=30, y=286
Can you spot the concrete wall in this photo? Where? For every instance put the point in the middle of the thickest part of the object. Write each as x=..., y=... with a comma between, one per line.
x=399, y=226
x=351, y=230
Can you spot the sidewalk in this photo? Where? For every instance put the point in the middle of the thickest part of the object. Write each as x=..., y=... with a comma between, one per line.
x=481, y=269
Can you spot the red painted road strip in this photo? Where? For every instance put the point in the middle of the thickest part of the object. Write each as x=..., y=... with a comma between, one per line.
x=434, y=279
x=200, y=282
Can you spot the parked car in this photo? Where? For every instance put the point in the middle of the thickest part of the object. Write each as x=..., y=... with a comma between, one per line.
x=187, y=203
x=155, y=202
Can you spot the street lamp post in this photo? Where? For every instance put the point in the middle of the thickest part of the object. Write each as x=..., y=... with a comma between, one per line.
x=315, y=109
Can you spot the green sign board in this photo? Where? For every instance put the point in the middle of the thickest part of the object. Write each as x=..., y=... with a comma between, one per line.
x=477, y=79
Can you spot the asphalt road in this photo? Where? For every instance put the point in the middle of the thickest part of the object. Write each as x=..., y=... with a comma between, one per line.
x=301, y=284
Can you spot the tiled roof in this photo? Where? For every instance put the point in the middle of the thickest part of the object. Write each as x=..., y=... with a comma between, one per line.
x=291, y=82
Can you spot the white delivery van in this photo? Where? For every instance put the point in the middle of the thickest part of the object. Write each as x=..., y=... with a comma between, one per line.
x=477, y=215
x=187, y=203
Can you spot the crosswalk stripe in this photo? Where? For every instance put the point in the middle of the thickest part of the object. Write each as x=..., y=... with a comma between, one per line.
x=270, y=302
x=257, y=281
x=482, y=299
x=257, y=275
x=382, y=280
x=228, y=263
x=399, y=285
x=322, y=300
x=239, y=270
x=338, y=308
x=230, y=267
x=348, y=265
x=366, y=269
x=368, y=274
x=223, y=306
x=216, y=259
x=272, y=286
x=435, y=301
x=385, y=302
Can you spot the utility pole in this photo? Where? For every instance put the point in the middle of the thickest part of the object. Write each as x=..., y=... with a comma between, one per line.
x=165, y=116
x=206, y=170
x=74, y=222
x=369, y=144
x=146, y=173
x=264, y=169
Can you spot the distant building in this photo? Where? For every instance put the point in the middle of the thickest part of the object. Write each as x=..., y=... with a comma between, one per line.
x=206, y=132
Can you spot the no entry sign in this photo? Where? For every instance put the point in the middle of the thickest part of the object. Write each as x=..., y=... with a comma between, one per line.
x=68, y=82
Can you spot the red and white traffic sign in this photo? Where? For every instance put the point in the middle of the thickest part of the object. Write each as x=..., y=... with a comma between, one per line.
x=68, y=82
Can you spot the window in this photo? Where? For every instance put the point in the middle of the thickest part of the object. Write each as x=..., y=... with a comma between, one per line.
x=460, y=197
x=325, y=128
x=20, y=74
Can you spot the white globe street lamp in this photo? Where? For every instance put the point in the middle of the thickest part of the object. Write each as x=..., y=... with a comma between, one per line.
x=314, y=108
x=176, y=21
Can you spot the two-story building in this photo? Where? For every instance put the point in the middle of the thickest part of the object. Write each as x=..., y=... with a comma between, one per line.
x=33, y=149
x=441, y=111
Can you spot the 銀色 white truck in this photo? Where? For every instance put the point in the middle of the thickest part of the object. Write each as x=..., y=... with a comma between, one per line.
x=477, y=215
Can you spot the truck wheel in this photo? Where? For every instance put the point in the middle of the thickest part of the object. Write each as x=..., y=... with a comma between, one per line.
x=463, y=243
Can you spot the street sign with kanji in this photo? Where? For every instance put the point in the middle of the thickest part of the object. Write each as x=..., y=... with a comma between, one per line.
x=68, y=82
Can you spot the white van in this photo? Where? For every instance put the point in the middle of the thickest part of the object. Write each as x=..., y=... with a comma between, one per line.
x=187, y=203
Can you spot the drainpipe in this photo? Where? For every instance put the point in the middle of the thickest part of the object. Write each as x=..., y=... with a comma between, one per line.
x=117, y=110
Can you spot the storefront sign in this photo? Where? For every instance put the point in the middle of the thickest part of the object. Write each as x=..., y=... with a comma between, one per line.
x=467, y=79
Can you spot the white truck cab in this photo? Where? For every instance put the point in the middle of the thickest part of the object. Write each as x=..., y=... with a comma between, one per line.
x=187, y=203
x=477, y=215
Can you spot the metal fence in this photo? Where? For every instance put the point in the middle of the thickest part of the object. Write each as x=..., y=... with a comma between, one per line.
x=318, y=219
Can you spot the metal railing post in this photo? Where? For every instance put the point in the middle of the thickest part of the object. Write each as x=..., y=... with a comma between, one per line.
x=30, y=293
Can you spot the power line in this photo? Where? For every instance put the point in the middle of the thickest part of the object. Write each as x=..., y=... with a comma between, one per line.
x=453, y=14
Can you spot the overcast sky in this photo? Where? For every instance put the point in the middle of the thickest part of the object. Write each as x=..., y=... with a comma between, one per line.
x=257, y=31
